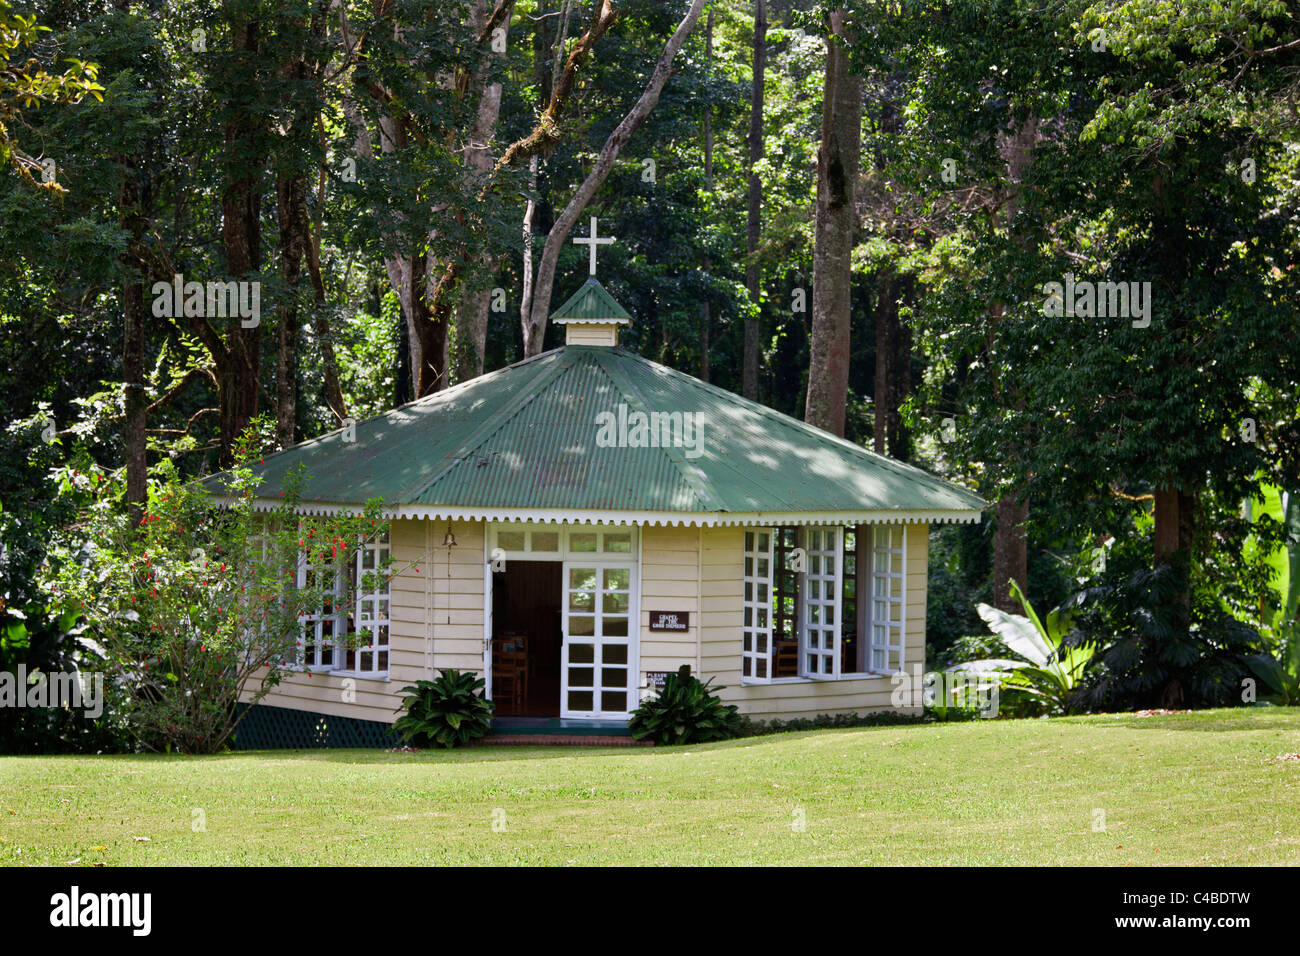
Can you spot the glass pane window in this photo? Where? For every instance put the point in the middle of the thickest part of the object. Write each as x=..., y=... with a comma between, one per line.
x=756, y=630
x=369, y=641
x=888, y=593
x=821, y=603
x=850, y=646
x=322, y=629
x=544, y=541
x=786, y=587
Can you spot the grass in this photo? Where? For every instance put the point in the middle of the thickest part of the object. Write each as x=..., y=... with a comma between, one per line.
x=1198, y=788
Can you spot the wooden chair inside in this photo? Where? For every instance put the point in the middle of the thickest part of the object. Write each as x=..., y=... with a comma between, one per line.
x=505, y=684
x=510, y=666
x=786, y=660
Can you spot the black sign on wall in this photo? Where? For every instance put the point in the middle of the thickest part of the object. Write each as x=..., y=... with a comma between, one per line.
x=670, y=620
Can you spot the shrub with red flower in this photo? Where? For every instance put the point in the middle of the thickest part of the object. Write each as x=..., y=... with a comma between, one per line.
x=198, y=606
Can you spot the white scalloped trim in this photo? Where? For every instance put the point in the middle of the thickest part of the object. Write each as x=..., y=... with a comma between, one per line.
x=652, y=518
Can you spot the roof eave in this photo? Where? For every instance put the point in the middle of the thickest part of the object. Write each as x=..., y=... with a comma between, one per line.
x=705, y=519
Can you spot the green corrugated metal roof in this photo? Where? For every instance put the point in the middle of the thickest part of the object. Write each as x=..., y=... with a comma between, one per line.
x=526, y=438
x=591, y=303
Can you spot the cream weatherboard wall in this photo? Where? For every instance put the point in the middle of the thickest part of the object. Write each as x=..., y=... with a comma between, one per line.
x=670, y=581
x=437, y=621
x=426, y=575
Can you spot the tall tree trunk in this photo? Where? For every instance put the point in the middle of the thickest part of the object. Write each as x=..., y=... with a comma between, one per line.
x=290, y=195
x=133, y=315
x=754, y=215
x=893, y=382
x=133, y=342
x=900, y=436
x=286, y=375
x=133, y=312
x=530, y=214
x=473, y=313
x=320, y=318
x=535, y=329
x=428, y=335
x=1010, y=541
x=472, y=317
x=838, y=157
x=705, y=312
x=1010, y=552
x=402, y=380
x=1174, y=538
x=1168, y=519
x=241, y=235
x=538, y=214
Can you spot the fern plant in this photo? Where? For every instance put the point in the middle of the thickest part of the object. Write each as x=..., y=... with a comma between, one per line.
x=685, y=712
x=449, y=710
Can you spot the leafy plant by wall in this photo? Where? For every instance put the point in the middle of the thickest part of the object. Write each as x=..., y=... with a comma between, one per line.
x=449, y=710
x=685, y=712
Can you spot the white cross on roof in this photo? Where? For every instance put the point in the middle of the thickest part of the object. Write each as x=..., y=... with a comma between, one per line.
x=592, y=242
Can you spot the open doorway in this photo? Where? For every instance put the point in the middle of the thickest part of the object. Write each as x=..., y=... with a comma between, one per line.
x=526, y=638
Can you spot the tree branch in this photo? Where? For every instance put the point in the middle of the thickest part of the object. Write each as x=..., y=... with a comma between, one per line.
x=604, y=163
x=547, y=131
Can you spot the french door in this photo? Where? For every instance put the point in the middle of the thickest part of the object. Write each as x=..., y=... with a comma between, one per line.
x=599, y=625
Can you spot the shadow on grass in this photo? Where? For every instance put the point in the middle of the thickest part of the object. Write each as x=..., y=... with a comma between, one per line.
x=558, y=751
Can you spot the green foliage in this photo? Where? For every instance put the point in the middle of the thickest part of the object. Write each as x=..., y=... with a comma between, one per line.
x=940, y=711
x=1042, y=663
x=33, y=632
x=1154, y=652
x=1280, y=669
x=449, y=710
x=959, y=578
x=1281, y=673
x=684, y=712
x=195, y=606
x=26, y=84
x=1137, y=143
x=882, y=718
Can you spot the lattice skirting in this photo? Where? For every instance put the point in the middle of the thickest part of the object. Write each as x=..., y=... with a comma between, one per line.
x=277, y=728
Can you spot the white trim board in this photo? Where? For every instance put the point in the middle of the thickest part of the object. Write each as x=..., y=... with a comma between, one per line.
x=664, y=518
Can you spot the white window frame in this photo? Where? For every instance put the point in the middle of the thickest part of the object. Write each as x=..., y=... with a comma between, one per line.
x=315, y=621
x=814, y=653
x=567, y=535
x=827, y=658
x=894, y=626
x=756, y=623
x=377, y=619
x=379, y=625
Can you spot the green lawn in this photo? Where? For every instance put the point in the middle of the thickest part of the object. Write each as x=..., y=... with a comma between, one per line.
x=1189, y=788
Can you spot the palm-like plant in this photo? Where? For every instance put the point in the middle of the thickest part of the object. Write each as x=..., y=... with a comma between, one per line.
x=1044, y=665
x=448, y=710
x=685, y=712
x=1281, y=674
